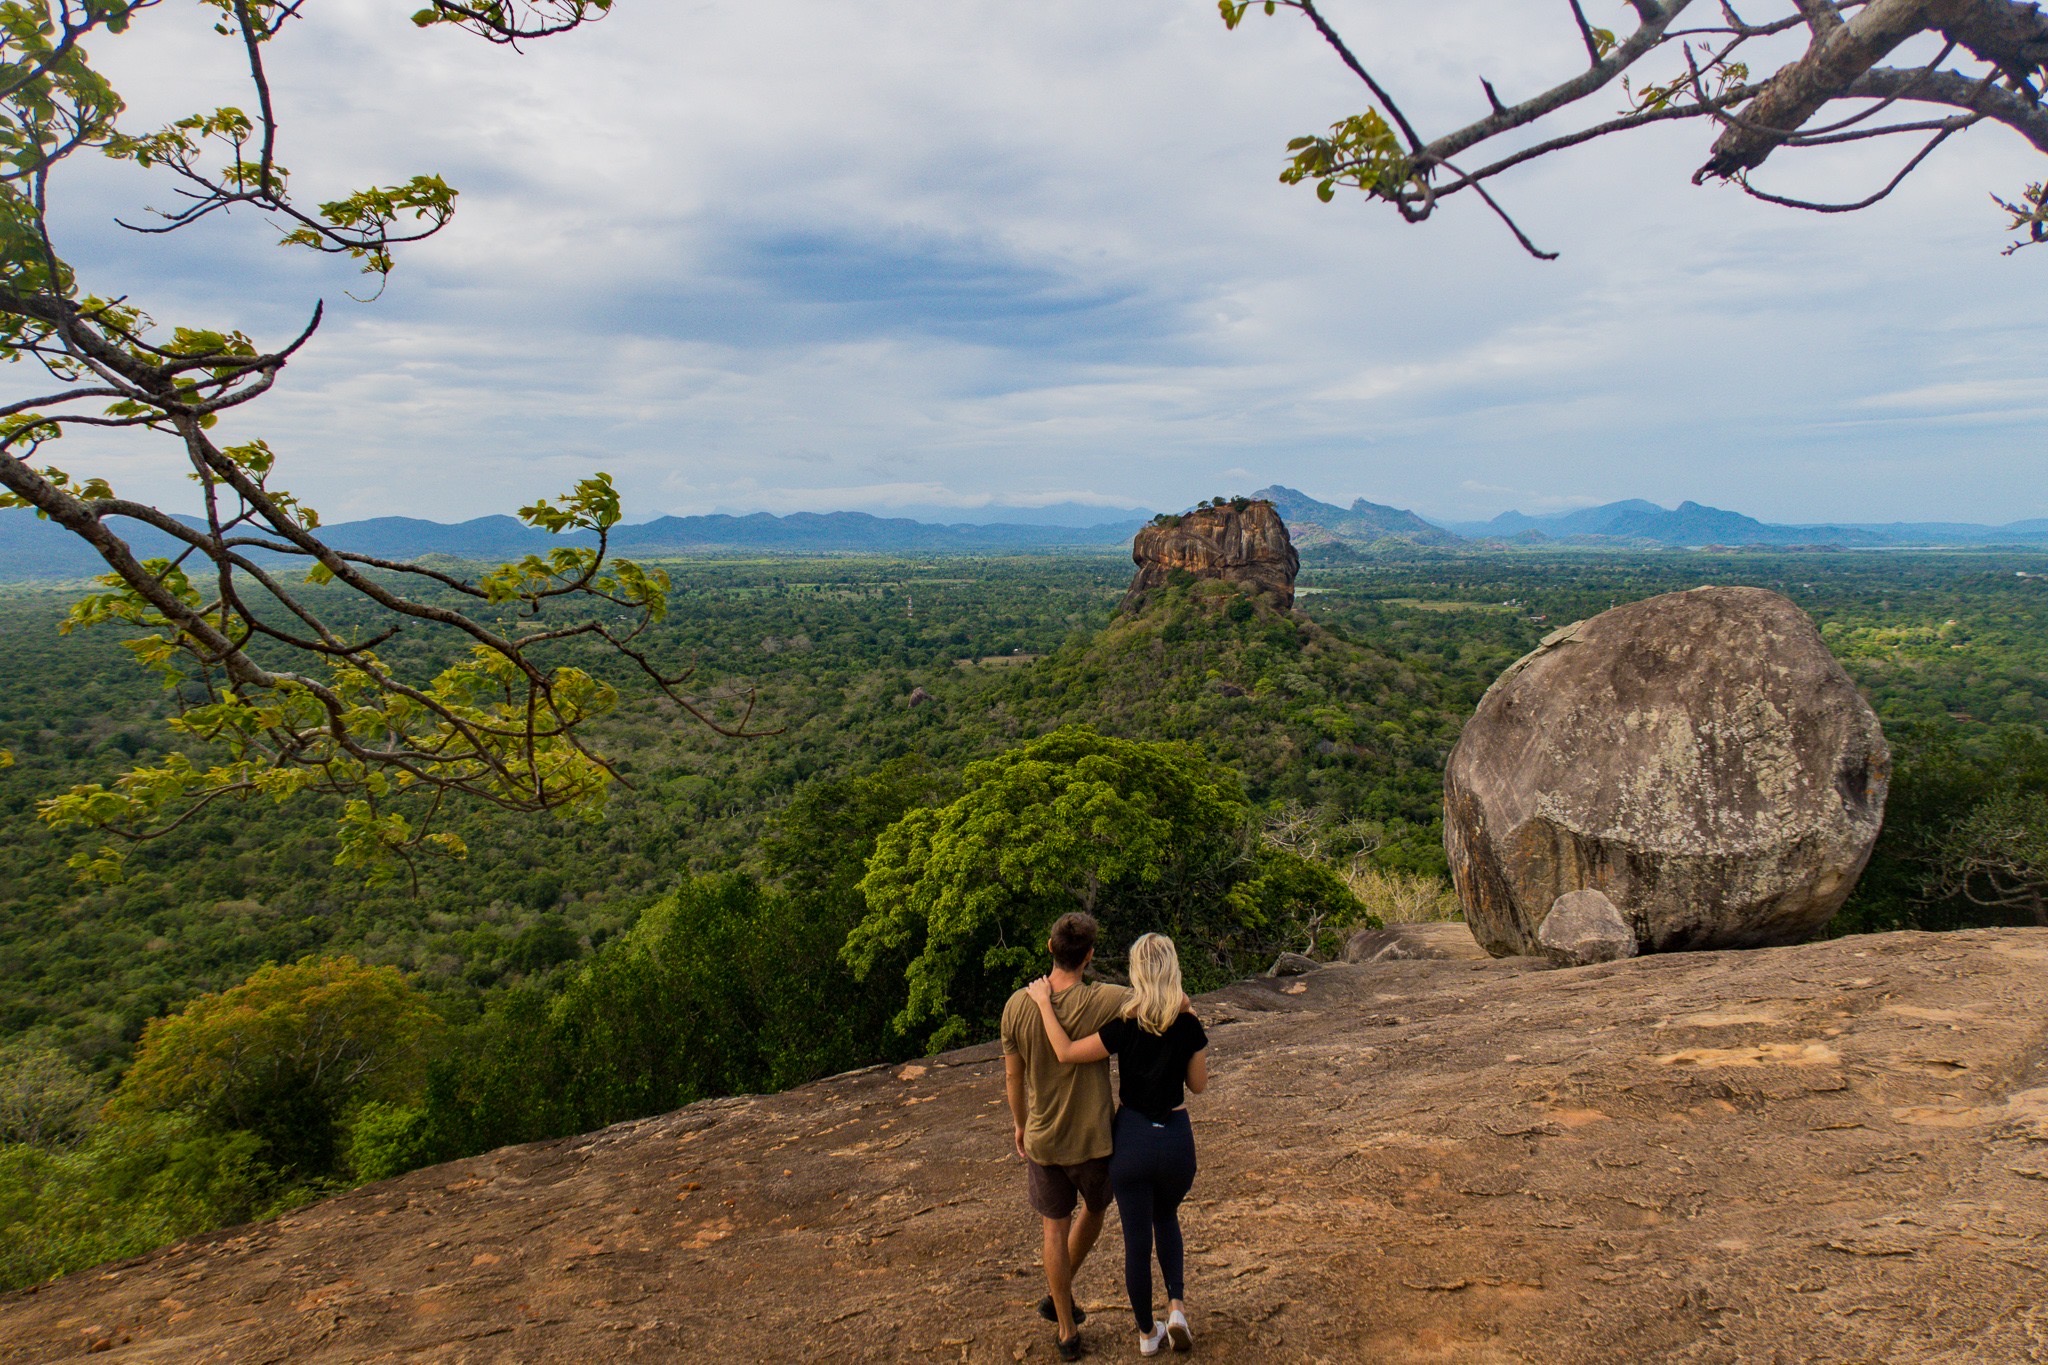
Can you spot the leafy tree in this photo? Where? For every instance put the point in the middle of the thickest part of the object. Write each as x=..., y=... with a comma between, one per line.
x=1992, y=66
x=276, y=695
x=1287, y=891
x=46, y=1099
x=667, y=1014
x=1966, y=833
x=547, y=942
x=286, y=1055
x=821, y=1018
x=135, y=1185
x=724, y=986
x=1142, y=835
x=499, y=1083
x=1996, y=854
x=818, y=845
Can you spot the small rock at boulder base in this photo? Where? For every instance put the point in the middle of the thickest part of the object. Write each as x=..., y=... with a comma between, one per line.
x=1584, y=927
x=1699, y=757
x=1236, y=542
x=1292, y=964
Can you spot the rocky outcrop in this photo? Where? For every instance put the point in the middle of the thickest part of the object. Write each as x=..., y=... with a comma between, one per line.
x=1834, y=1152
x=1698, y=758
x=1237, y=542
x=1437, y=942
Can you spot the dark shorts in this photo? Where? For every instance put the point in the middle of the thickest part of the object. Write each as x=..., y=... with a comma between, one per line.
x=1054, y=1188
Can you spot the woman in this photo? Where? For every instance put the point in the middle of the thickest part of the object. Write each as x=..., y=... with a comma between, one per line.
x=1160, y=1048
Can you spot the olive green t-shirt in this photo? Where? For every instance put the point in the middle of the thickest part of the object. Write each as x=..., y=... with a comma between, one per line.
x=1067, y=1108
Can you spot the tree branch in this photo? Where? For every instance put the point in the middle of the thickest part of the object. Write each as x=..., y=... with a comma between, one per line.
x=1831, y=65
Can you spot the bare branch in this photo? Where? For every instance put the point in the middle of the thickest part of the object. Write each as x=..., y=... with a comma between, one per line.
x=1864, y=203
x=1513, y=227
x=1602, y=73
x=1831, y=65
x=1387, y=103
x=1820, y=15
x=1585, y=33
x=1977, y=95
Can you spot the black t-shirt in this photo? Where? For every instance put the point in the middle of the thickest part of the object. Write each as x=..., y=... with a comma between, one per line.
x=1151, y=1067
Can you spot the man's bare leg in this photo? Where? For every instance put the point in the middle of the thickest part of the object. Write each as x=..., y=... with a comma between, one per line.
x=1059, y=1270
x=1081, y=1240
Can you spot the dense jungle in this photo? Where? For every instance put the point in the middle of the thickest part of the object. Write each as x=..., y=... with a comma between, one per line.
x=239, y=1025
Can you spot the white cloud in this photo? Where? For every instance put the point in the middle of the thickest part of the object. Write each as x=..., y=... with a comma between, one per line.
x=777, y=254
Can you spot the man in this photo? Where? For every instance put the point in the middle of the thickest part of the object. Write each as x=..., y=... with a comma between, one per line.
x=1061, y=1117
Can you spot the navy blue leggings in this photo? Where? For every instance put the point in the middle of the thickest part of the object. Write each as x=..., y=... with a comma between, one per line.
x=1151, y=1171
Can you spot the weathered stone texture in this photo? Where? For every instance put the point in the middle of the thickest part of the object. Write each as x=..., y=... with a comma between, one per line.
x=1582, y=928
x=1413, y=943
x=1699, y=758
x=1247, y=544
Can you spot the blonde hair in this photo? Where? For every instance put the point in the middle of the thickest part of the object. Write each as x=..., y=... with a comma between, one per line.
x=1156, y=992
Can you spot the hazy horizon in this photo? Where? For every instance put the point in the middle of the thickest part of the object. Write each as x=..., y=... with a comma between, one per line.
x=1077, y=515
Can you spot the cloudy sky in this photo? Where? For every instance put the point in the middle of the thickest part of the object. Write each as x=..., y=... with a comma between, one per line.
x=947, y=255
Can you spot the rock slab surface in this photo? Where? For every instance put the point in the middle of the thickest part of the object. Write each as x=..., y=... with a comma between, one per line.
x=1699, y=758
x=1834, y=1152
x=1412, y=943
x=1239, y=544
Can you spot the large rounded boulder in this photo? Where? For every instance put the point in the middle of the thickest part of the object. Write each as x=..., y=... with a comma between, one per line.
x=1699, y=759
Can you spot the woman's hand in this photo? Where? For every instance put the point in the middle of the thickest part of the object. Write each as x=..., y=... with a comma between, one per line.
x=1089, y=1049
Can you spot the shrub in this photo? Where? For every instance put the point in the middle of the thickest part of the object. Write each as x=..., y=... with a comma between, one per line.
x=1395, y=896
x=286, y=1055
x=385, y=1140
x=1295, y=903
x=140, y=1182
x=46, y=1099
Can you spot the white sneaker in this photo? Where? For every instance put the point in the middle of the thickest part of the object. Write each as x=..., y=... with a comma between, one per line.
x=1149, y=1344
x=1177, y=1330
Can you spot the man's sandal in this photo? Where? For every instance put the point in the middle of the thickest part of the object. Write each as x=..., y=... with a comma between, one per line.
x=1051, y=1313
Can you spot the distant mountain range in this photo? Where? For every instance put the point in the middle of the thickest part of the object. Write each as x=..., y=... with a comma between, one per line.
x=1312, y=523
x=1693, y=524
x=33, y=549
x=1069, y=514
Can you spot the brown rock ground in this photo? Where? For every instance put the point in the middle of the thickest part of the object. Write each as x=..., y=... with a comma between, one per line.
x=1835, y=1152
